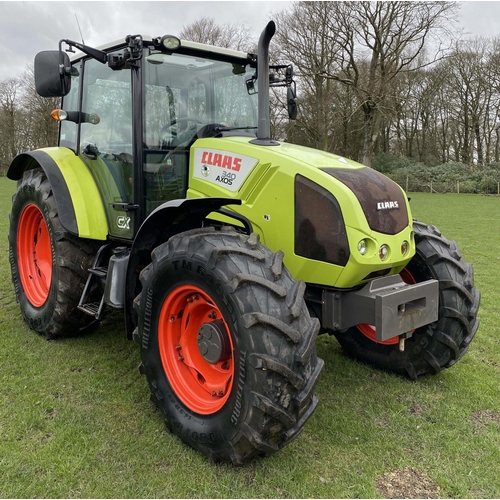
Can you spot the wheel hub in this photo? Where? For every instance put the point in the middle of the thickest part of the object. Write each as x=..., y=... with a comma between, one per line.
x=213, y=342
x=34, y=254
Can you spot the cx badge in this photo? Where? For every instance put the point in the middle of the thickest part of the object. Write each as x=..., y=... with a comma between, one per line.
x=123, y=222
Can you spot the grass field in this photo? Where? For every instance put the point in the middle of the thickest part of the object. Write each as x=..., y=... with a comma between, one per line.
x=75, y=419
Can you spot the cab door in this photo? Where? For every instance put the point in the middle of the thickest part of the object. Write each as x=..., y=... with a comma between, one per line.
x=104, y=139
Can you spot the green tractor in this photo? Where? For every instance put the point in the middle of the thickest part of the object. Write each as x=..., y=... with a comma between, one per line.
x=226, y=250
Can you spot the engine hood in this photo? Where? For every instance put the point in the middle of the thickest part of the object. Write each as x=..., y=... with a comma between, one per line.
x=299, y=199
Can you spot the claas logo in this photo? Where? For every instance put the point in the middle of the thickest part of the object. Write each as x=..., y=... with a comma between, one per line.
x=220, y=160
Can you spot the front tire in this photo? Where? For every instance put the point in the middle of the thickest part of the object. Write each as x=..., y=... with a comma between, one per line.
x=441, y=344
x=227, y=344
x=49, y=266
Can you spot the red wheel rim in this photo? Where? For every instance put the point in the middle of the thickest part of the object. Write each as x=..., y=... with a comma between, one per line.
x=34, y=255
x=370, y=331
x=202, y=386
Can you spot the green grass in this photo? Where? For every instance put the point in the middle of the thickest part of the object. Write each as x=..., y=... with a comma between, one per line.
x=75, y=419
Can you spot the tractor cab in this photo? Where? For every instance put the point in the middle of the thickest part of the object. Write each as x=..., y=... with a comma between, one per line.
x=133, y=111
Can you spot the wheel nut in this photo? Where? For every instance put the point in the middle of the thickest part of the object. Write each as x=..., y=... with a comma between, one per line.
x=225, y=365
x=172, y=318
x=221, y=393
x=214, y=393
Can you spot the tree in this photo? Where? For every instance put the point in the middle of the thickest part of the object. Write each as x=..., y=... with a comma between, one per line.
x=206, y=30
x=10, y=116
x=40, y=128
x=377, y=41
x=303, y=38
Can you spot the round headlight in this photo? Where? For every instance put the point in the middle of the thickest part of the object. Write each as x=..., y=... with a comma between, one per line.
x=383, y=252
x=404, y=247
x=362, y=247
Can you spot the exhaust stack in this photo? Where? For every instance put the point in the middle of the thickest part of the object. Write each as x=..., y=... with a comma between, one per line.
x=264, y=123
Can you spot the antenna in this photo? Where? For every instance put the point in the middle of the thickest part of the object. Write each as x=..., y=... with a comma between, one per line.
x=79, y=29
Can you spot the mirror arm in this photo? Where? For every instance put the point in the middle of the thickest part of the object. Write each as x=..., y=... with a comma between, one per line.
x=97, y=54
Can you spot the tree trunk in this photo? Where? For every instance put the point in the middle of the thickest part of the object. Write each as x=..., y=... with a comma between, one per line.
x=370, y=130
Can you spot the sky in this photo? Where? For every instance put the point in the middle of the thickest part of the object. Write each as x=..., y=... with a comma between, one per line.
x=29, y=27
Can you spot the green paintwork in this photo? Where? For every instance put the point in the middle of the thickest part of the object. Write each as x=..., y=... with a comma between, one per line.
x=120, y=223
x=89, y=210
x=267, y=197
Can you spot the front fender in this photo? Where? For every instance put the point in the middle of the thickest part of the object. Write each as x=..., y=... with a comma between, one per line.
x=170, y=218
x=78, y=201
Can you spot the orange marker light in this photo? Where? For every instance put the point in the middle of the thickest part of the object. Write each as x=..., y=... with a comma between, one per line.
x=59, y=115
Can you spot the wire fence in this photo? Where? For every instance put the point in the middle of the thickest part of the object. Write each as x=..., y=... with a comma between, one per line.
x=427, y=185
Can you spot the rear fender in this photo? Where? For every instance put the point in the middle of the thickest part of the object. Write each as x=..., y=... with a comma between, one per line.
x=173, y=217
x=78, y=201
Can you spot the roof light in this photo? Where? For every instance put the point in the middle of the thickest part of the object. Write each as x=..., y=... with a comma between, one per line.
x=170, y=42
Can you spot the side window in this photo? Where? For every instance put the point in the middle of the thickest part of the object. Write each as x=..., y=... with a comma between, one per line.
x=69, y=130
x=107, y=94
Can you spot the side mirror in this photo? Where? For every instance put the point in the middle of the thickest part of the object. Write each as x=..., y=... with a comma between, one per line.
x=52, y=73
x=291, y=103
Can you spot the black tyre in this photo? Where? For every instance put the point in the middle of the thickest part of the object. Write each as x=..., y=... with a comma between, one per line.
x=228, y=346
x=442, y=343
x=49, y=267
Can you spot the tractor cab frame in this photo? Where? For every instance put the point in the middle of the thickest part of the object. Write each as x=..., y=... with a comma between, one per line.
x=131, y=111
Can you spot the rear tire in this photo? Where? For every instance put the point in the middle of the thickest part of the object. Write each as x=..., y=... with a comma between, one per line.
x=442, y=343
x=252, y=393
x=49, y=266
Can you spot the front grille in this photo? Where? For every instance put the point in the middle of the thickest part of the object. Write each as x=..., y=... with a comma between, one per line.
x=382, y=200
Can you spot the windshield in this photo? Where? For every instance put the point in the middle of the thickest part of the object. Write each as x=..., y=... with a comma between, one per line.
x=185, y=93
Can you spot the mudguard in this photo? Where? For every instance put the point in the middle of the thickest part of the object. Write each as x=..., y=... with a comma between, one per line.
x=170, y=218
x=78, y=201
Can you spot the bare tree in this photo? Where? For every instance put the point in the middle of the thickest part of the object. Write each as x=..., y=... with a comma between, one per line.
x=303, y=38
x=10, y=116
x=377, y=41
x=207, y=30
x=41, y=129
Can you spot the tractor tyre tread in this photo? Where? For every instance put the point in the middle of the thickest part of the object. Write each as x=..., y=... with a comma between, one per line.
x=438, y=345
x=274, y=391
x=59, y=315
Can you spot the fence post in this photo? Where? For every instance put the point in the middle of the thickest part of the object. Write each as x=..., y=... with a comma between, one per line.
x=458, y=187
x=406, y=183
x=431, y=187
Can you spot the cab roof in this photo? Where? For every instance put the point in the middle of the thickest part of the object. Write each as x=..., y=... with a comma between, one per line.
x=185, y=44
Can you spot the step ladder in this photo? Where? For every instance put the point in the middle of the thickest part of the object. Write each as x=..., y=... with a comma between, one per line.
x=96, y=282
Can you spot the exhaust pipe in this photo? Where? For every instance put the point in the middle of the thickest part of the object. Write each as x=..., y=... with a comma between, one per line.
x=264, y=122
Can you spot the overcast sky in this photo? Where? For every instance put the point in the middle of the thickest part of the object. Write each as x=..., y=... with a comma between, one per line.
x=28, y=27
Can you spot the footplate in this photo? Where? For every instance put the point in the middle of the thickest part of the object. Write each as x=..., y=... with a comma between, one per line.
x=392, y=306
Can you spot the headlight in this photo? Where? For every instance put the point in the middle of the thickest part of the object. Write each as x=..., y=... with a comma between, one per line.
x=404, y=248
x=383, y=252
x=362, y=247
